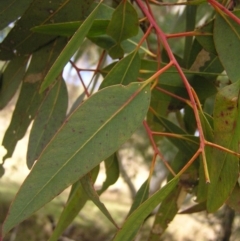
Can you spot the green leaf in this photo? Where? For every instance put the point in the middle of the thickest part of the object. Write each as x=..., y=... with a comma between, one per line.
x=207, y=64
x=187, y=143
x=135, y=220
x=23, y=114
x=116, y=51
x=124, y=22
x=124, y=72
x=233, y=201
x=112, y=172
x=69, y=50
x=29, y=99
x=50, y=117
x=141, y=196
x=11, y=10
x=93, y=196
x=77, y=199
x=21, y=40
x=227, y=40
x=71, y=154
x=199, y=207
x=207, y=41
x=223, y=167
x=12, y=77
x=69, y=28
x=166, y=212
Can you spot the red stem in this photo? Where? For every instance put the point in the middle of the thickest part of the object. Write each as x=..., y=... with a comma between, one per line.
x=80, y=77
x=218, y=6
x=174, y=61
x=155, y=148
x=185, y=34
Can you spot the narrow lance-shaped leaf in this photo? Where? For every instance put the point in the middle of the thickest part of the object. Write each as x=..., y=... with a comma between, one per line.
x=76, y=201
x=124, y=72
x=29, y=99
x=207, y=41
x=49, y=118
x=141, y=196
x=135, y=220
x=112, y=172
x=226, y=36
x=22, y=40
x=124, y=22
x=166, y=212
x=72, y=46
x=123, y=25
x=224, y=167
x=11, y=10
x=87, y=185
x=94, y=131
x=11, y=79
x=69, y=28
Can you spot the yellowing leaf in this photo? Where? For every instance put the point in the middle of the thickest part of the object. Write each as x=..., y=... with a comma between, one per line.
x=223, y=167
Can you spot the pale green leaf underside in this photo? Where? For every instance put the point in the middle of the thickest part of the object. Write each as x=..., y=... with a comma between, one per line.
x=94, y=131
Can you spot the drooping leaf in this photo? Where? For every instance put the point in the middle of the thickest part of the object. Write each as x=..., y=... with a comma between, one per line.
x=98, y=124
x=93, y=196
x=199, y=207
x=76, y=201
x=11, y=10
x=207, y=41
x=11, y=79
x=166, y=212
x=226, y=36
x=22, y=116
x=135, y=220
x=141, y=196
x=50, y=116
x=223, y=167
x=112, y=172
x=124, y=72
x=21, y=40
x=69, y=49
x=119, y=28
x=29, y=99
x=233, y=201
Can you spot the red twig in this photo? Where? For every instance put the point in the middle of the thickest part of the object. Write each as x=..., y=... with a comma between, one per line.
x=80, y=77
x=174, y=61
x=218, y=6
x=186, y=34
x=155, y=148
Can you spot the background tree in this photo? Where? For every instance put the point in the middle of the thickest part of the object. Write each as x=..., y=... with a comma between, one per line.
x=184, y=90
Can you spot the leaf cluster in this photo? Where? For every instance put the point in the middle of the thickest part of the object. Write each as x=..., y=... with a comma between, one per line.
x=148, y=80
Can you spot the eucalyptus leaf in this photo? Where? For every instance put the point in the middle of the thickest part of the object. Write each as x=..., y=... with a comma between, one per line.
x=223, y=167
x=90, y=126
